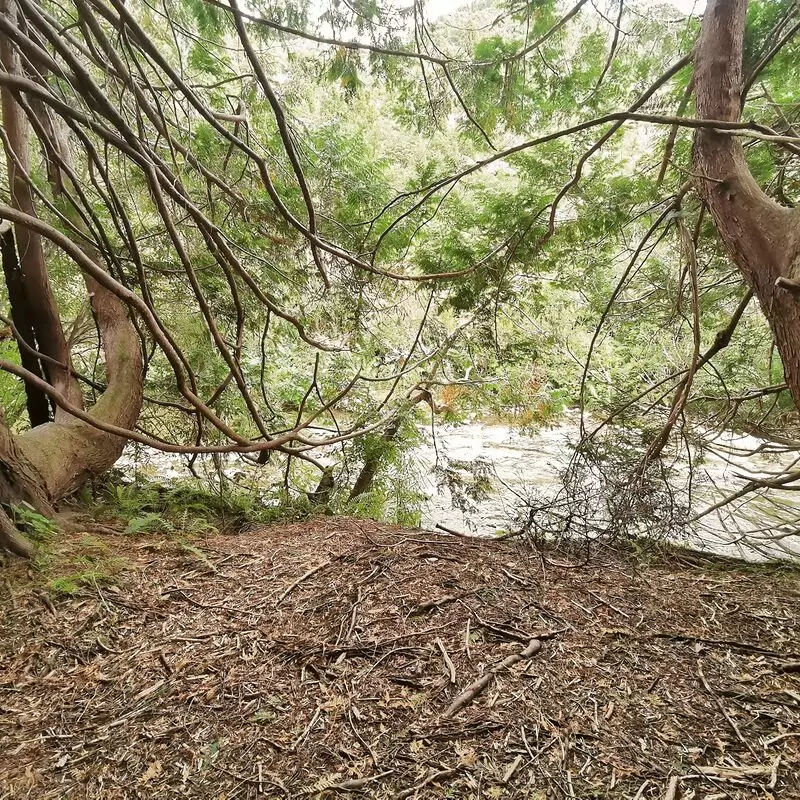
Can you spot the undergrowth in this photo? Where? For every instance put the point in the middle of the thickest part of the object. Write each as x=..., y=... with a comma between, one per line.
x=35, y=525
x=232, y=500
x=69, y=567
x=188, y=509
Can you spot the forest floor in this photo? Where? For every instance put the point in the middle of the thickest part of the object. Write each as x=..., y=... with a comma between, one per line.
x=343, y=657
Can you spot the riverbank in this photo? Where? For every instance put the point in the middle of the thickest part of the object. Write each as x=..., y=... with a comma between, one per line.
x=341, y=656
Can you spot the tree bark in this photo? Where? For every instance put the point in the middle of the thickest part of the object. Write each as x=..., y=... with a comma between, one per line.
x=83, y=450
x=22, y=317
x=373, y=463
x=49, y=461
x=761, y=236
x=49, y=332
x=20, y=482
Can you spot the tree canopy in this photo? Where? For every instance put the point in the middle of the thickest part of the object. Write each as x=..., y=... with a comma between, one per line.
x=281, y=231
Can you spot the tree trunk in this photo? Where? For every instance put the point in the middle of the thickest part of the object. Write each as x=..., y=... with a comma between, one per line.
x=761, y=236
x=66, y=454
x=36, y=400
x=49, y=332
x=373, y=463
x=48, y=462
x=20, y=482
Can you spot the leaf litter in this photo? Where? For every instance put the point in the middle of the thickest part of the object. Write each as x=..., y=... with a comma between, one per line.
x=342, y=657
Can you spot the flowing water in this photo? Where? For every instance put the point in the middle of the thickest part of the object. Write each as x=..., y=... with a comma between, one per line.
x=515, y=463
x=756, y=527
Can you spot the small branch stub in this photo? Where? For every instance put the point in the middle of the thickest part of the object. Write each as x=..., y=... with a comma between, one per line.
x=789, y=285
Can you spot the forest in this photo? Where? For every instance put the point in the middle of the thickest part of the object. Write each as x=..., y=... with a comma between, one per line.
x=400, y=399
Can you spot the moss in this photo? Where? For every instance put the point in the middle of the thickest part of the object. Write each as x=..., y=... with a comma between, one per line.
x=69, y=565
x=67, y=585
x=63, y=586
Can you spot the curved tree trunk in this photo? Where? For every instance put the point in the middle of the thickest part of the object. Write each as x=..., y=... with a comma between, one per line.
x=761, y=236
x=67, y=453
x=49, y=461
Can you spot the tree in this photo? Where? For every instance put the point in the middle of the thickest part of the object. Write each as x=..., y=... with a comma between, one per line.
x=101, y=114
x=53, y=459
x=761, y=235
x=268, y=278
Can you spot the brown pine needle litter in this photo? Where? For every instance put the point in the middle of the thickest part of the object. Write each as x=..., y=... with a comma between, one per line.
x=343, y=657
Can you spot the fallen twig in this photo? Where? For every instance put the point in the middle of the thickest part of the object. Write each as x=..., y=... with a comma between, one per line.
x=436, y=776
x=299, y=740
x=447, y=660
x=747, y=647
x=780, y=737
x=355, y=784
x=452, y=532
x=607, y=604
x=730, y=773
x=506, y=633
x=428, y=605
x=365, y=744
x=724, y=711
x=479, y=685
x=292, y=586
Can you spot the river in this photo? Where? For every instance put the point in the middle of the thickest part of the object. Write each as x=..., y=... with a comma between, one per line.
x=757, y=527
x=514, y=464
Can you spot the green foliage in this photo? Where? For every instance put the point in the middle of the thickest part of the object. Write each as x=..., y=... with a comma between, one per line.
x=80, y=565
x=198, y=555
x=150, y=507
x=392, y=499
x=68, y=585
x=468, y=482
x=759, y=37
x=187, y=508
x=149, y=523
x=35, y=525
x=203, y=60
x=393, y=495
x=344, y=69
x=12, y=392
x=402, y=177
x=209, y=18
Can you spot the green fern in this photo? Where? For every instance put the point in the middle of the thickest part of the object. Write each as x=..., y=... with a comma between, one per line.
x=149, y=523
x=36, y=526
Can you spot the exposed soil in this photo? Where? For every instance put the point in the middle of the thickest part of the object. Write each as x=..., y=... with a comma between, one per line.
x=332, y=657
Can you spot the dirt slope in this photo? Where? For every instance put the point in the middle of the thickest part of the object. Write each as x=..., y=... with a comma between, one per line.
x=343, y=656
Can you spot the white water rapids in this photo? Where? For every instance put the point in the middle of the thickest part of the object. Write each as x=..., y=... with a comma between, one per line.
x=754, y=528
x=757, y=527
